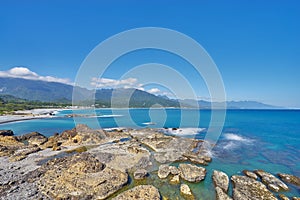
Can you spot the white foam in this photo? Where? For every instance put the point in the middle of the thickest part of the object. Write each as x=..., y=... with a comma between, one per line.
x=235, y=137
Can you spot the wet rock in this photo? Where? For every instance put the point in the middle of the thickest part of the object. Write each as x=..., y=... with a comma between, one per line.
x=141, y=192
x=73, y=177
x=175, y=180
x=283, y=197
x=250, y=174
x=221, y=195
x=192, y=173
x=140, y=174
x=271, y=181
x=163, y=171
x=6, y=133
x=186, y=192
x=220, y=180
x=288, y=178
x=250, y=189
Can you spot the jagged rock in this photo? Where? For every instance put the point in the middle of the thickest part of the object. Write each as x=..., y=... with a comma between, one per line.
x=186, y=191
x=173, y=170
x=34, y=138
x=220, y=180
x=8, y=145
x=250, y=174
x=288, y=178
x=271, y=181
x=163, y=171
x=22, y=153
x=140, y=174
x=283, y=197
x=196, y=158
x=250, y=189
x=192, y=173
x=73, y=177
x=6, y=133
x=221, y=195
x=175, y=180
x=296, y=198
x=141, y=192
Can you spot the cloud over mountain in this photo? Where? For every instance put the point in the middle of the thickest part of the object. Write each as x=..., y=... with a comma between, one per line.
x=25, y=73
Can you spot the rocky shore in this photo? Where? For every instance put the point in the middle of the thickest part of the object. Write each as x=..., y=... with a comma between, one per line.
x=83, y=163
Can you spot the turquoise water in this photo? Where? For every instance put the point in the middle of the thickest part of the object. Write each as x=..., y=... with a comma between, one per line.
x=251, y=139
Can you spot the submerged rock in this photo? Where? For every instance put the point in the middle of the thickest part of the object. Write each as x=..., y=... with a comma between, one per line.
x=288, y=178
x=141, y=192
x=221, y=195
x=186, y=192
x=73, y=177
x=192, y=173
x=140, y=174
x=271, y=181
x=250, y=189
x=220, y=180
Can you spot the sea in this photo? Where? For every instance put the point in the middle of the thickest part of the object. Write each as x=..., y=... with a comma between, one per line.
x=250, y=139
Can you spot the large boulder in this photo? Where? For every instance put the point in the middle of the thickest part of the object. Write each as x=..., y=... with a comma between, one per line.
x=271, y=181
x=221, y=195
x=250, y=189
x=288, y=178
x=220, y=180
x=78, y=177
x=192, y=173
x=141, y=192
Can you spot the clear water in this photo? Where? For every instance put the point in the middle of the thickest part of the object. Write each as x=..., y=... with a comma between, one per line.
x=251, y=139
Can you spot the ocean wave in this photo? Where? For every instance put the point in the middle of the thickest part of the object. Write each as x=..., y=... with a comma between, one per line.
x=233, y=141
x=238, y=138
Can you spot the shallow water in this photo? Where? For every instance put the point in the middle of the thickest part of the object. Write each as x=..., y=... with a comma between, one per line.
x=251, y=139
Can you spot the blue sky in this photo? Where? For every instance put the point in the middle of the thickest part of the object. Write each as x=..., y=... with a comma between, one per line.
x=255, y=44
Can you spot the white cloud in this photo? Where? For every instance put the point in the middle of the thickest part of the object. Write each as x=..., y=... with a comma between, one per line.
x=113, y=83
x=154, y=91
x=25, y=73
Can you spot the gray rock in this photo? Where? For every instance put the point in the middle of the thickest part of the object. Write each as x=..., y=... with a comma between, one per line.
x=140, y=174
x=220, y=180
x=271, y=181
x=192, y=173
x=221, y=195
x=6, y=133
x=250, y=189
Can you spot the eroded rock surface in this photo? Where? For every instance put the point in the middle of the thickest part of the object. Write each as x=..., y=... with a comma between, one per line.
x=192, y=173
x=141, y=192
x=250, y=189
x=271, y=181
x=288, y=178
x=221, y=195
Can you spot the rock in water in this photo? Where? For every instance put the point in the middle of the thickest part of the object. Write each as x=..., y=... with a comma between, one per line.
x=221, y=180
x=6, y=133
x=283, y=197
x=186, y=192
x=271, y=181
x=175, y=180
x=192, y=173
x=79, y=176
x=141, y=192
x=221, y=195
x=140, y=174
x=250, y=189
x=250, y=174
x=288, y=178
x=163, y=171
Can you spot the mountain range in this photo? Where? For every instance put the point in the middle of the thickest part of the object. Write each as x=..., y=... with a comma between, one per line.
x=43, y=91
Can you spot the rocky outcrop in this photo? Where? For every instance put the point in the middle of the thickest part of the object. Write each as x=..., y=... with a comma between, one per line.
x=186, y=192
x=141, y=192
x=250, y=174
x=250, y=189
x=34, y=138
x=192, y=173
x=221, y=195
x=288, y=178
x=23, y=153
x=140, y=174
x=197, y=159
x=283, y=197
x=73, y=177
x=271, y=181
x=220, y=180
x=6, y=133
x=163, y=171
